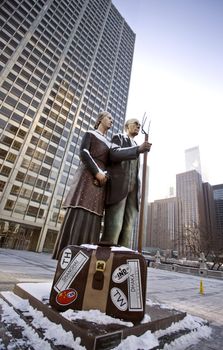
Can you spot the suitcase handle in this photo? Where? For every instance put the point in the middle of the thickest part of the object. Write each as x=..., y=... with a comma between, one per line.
x=107, y=244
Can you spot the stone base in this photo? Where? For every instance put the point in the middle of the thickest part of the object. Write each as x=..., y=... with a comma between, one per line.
x=98, y=337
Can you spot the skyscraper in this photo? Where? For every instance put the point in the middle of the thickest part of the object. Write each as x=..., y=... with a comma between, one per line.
x=61, y=63
x=210, y=210
x=218, y=202
x=163, y=224
x=189, y=190
x=192, y=159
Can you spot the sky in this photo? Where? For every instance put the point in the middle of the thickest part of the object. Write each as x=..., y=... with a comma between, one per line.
x=177, y=80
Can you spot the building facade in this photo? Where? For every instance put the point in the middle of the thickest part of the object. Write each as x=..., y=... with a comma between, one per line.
x=210, y=210
x=192, y=159
x=163, y=225
x=218, y=203
x=189, y=190
x=62, y=62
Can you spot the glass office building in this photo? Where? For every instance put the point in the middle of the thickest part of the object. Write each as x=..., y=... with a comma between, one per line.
x=61, y=62
x=192, y=159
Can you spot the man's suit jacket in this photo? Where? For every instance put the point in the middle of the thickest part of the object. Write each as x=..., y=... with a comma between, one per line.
x=121, y=153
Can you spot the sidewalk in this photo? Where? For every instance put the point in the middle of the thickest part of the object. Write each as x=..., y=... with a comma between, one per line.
x=22, y=266
x=180, y=291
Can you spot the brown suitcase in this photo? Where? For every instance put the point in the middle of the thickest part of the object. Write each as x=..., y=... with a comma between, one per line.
x=108, y=278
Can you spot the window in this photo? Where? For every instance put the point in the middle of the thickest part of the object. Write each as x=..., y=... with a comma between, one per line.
x=12, y=129
x=11, y=157
x=12, y=76
x=16, y=145
x=30, y=180
x=20, y=208
x=15, y=189
x=3, y=153
x=16, y=91
x=2, y=185
x=32, y=211
x=26, y=122
x=20, y=176
x=48, y=160
x=25, y=193
x=5, y=111
x=7, y=140
x=9, y=205
x=34, y=167
x=45, y=172
x=26, y=98
x=21, y=133
x=3, y=58
x=17, y=118
x=11, y=101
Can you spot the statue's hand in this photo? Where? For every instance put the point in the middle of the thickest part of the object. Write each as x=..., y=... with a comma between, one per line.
x=145, y=147
x=101, y=178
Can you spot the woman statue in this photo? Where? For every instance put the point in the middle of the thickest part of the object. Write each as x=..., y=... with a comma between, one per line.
x=85, y=200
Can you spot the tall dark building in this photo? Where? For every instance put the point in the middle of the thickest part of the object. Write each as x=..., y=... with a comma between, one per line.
x=218, y=201
x=62, y=62
x=209, y=206
x=189, y=189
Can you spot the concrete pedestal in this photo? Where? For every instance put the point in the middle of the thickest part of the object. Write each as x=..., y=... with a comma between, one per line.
x=97, y=337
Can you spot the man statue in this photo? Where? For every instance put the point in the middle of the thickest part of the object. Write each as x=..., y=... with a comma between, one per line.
x=123, y=190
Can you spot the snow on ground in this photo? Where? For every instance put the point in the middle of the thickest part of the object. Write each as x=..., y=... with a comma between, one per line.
x=59, y=336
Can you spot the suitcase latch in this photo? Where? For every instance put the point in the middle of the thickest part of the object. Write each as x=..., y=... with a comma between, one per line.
x=100, y=265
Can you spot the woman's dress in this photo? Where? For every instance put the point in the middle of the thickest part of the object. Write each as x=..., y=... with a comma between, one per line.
x=85, y=200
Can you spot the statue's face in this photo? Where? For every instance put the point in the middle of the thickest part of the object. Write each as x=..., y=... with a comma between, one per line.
x=133, y=129
x=107, y=121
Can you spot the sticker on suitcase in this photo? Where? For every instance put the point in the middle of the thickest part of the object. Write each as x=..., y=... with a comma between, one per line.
x=121, y=273
x=72, y=270
x=66, y=297
x=135, y=299
x=119, y=299
x=65, y=258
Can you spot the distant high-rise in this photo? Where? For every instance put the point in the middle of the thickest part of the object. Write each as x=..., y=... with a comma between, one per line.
x=218, y=202
x=163, y=224
x=189, y=190
x=192, y=159
x=209, y=206
x=61, y=63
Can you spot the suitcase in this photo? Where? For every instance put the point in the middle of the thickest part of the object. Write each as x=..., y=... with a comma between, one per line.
x=111, y=279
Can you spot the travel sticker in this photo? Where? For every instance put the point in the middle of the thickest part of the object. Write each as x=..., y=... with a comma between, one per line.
x=121, y=273
x=135, y=286
x=65, y=258
x=66, y=297
x=71, y=271
x=119, y=299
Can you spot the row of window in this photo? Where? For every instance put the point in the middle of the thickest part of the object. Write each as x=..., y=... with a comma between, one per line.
x=6, y=140
x=29, y=194
x=32, y=180
x=14, y=85
x=22, y=208
x=10, y=157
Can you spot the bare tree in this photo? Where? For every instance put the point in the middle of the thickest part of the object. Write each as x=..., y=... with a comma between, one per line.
x=197, y=239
